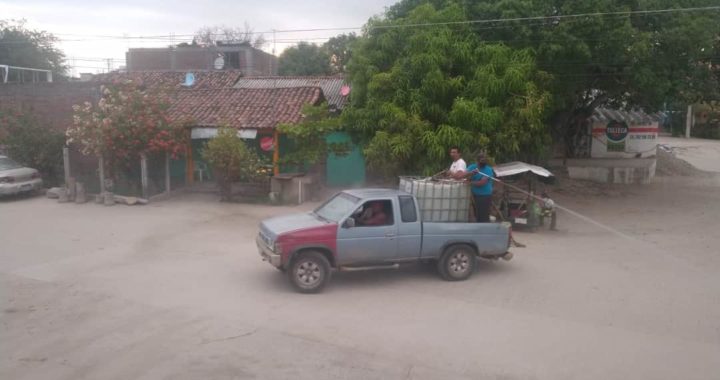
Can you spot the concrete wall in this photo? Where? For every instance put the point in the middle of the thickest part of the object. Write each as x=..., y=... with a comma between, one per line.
x=51, y=103
x=254, y=62
x=617, y=171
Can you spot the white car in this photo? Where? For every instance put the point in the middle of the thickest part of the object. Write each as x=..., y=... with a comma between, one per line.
x=16, y=179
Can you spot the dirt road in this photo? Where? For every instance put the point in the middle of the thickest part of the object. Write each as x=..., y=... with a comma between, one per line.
x=175, y=290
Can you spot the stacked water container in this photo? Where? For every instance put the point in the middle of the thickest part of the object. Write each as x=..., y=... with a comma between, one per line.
x=439, y=200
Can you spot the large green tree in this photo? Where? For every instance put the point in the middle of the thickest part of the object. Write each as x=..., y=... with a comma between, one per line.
x=619, y=53
x=304, y=59
x=339, y=49
x=20, y=46
x=417, y=91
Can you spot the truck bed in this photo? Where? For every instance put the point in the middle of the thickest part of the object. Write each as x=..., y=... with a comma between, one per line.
x=491, y=239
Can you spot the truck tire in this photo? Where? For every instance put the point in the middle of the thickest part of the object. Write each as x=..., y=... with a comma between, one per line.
x=309, y=272
x=457, y=263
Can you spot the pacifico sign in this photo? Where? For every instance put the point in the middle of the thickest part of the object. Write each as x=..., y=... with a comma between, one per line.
x=616, y=133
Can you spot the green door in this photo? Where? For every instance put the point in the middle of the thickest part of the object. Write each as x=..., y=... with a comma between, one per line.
x=348, y=170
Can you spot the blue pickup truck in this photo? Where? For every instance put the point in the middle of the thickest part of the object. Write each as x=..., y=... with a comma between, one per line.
x=367, y=229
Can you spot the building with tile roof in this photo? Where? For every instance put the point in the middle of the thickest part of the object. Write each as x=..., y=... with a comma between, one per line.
x=244, y=108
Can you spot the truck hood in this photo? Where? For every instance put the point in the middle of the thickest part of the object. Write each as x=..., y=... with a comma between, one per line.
x=279, y=225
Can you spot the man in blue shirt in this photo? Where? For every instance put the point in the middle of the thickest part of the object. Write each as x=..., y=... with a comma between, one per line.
x=481, y=184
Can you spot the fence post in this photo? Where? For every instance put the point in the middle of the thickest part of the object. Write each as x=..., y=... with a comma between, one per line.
x=167, y=173
x=101, y=165
x=66, y=163
x=688, y=122
x=144, y=175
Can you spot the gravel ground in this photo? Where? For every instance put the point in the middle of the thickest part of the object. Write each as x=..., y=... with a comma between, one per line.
x=176, y=290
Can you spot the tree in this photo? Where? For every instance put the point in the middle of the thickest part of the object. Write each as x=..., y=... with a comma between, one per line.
x=231, y=160
x=339, y=49
x=212, y=35
x=35, y=49
x=304, y=59
x=419, y=91
x=127, y=122
x=31, y=144
x=310, y=137
x=620, y=60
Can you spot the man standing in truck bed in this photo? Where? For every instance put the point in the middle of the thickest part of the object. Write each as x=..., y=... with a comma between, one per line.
x=480, y=175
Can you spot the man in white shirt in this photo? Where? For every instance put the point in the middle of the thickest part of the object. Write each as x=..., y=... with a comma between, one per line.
x=458, y=167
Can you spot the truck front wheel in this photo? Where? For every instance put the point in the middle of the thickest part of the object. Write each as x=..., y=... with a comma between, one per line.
x=457, y=263
x=309, y=272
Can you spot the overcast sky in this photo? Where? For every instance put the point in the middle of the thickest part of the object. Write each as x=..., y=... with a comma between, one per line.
x=81, y=23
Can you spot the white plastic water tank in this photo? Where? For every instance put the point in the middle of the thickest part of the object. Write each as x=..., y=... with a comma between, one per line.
x=439, y=200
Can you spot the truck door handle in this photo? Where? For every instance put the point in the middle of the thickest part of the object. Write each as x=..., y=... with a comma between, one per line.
x=389, y=235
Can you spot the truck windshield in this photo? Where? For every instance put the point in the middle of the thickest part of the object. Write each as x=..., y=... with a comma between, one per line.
x=8, y=164
x=337, y=207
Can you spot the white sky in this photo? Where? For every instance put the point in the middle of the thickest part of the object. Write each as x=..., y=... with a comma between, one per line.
x=80, y=24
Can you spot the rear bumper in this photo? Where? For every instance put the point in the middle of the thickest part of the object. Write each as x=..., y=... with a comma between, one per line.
x=267, y=254
x=20, y=187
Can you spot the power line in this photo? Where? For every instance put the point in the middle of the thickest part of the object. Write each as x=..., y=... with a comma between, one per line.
x=554, y=17
x=173, y=36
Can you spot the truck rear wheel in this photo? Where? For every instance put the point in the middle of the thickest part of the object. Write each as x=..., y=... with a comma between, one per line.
x=457, y=263
x=309, y=272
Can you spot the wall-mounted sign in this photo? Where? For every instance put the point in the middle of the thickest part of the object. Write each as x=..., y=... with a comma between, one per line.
x=267, y=144
x=616, y=133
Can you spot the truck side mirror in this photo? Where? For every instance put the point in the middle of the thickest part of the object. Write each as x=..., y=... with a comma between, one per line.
x=349, y=223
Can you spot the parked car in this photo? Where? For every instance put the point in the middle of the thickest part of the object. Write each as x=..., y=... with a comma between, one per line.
x=339, y=235
x=16, y=179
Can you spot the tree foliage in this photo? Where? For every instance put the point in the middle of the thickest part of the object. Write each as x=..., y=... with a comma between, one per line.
x=20, y=46
x=212, y=35
x=306, y=58
x=339, y=50
x=309, y=136
x=231, y=160
x=621, y=60
x=31, y=144
x=126, y=122
x=419, y=91
x=303, y=60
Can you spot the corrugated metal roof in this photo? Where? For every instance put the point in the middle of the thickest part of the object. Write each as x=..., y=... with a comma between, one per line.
x=633, y=117
x=330, y=86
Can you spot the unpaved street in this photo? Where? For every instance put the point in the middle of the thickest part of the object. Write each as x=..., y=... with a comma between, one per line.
x=176, y=290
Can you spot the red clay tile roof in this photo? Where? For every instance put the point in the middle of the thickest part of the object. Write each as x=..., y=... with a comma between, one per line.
x=243, y=107
x=203, y=79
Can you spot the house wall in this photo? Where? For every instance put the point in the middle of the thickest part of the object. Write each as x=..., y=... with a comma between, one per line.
x=641, y=141
x=192, y=59
x=262, y=64
x=253, y=62
x=148, y=59
x=51, y=103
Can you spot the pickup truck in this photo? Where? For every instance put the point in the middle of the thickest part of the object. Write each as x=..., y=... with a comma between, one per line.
x=335, y=236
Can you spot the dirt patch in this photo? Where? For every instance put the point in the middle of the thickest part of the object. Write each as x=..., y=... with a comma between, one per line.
x=581, y=188
x=669, y=165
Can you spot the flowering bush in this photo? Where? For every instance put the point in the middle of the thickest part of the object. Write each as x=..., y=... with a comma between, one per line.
x=126, y=122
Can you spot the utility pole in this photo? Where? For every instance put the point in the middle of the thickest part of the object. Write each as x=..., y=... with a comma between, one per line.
x=688, y=121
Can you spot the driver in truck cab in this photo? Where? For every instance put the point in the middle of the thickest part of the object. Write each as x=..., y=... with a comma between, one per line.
x=373, y=215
